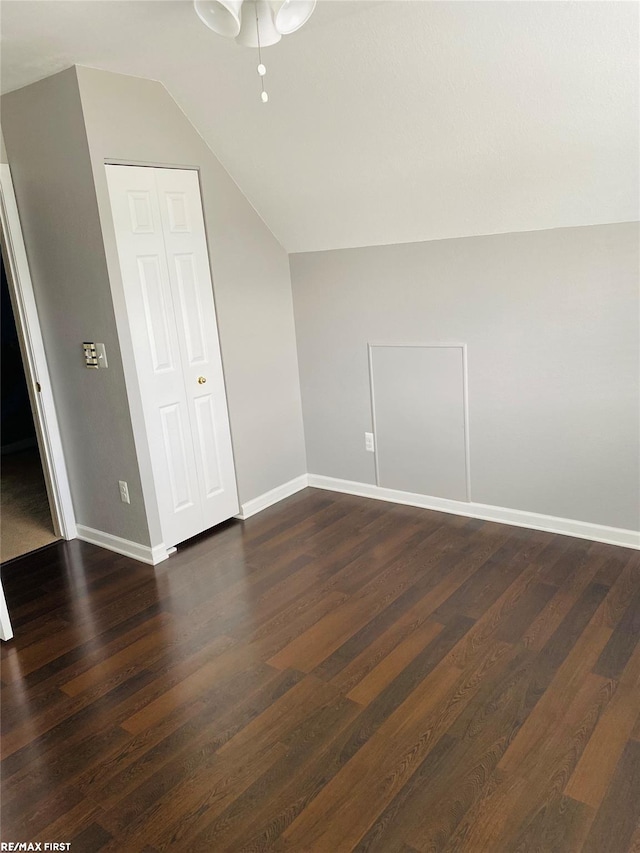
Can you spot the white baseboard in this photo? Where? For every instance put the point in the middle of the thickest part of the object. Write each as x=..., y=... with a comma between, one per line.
x=269, y=498
x=143, y=553
x=502, y=515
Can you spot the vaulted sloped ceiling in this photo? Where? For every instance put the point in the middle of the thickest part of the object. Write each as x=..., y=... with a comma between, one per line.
x=387, y=121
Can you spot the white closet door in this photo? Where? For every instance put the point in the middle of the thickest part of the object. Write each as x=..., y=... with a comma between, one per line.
x=173, y=326
x=190, y=277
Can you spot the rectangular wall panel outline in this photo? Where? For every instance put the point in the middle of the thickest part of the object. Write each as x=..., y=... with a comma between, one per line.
x=371, y=345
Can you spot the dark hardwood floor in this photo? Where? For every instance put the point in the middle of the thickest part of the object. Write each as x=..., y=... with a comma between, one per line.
x=335, y=674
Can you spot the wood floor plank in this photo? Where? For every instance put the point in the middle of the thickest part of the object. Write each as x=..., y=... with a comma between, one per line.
x=91, y=839
x=334, y=674
x=190, y=791
x=396, y=749
x=450, y=779
x=388, y=830
x=77, y=718
x=128, y=660
x=309, y=649
x=212, y=723
x=521, y=797
x=635, y=734
x=394, y=663
x=522, y=684
x=231, y=661
x=634, y=844
x=71, y=710
x=183, y=790
x=497, y=618
x=65, y=769
x=571, y=561
x=82, y=654
x=47, y=691
x=552, y=615
x=622, y=590
x=440, y=579
x=618, y=816
x=623, y=641
x=492, y=578
x=285, y=786
x=58, y=802
x=563, y=667
x=594, y=771
x=559, y=826
x=613, y=566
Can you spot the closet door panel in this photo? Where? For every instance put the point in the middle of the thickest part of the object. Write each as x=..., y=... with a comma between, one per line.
x=190, y=277
x=157, y=349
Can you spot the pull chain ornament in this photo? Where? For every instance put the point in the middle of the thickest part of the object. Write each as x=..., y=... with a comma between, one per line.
x=262, y=69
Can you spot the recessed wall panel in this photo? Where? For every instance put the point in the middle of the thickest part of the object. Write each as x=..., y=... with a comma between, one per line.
x=419, y=410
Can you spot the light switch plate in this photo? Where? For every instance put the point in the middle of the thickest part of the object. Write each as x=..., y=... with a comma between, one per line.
x=101, y=352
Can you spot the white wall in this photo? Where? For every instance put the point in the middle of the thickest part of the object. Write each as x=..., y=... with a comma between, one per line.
x=551, y=323
x=550, y=319
x=47, y=149
x=59, y=132
x=135, y=120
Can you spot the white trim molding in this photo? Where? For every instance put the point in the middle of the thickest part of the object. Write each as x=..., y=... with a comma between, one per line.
x=6, y=631
x=35, y=361
x=272, y=497
x=143, y=553
x=501, y=515
x=486, y=512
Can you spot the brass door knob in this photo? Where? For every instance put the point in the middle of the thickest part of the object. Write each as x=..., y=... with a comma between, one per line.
x=201, y=380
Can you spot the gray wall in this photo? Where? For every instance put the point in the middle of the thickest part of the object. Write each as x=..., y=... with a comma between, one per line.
x=46, y=142
x=136, y=120
x=3, y=150
x=551, y=323
x=58, y=133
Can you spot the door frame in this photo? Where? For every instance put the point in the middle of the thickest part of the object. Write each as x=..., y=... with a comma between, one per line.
x=6, y=631
x=34, y=360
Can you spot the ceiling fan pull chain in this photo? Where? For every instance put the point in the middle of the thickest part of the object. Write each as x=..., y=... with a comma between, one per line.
x=261, y=67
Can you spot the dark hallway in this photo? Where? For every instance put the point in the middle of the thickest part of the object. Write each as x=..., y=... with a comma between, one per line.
x=25, y=520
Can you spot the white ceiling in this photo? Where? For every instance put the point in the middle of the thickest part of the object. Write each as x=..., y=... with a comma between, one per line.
x=387, y=121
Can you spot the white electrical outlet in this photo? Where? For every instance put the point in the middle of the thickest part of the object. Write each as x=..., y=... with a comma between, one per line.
x=369, y=443
x=124, y=492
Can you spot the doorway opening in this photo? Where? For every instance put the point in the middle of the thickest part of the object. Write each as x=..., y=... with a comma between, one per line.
x=25, y=515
